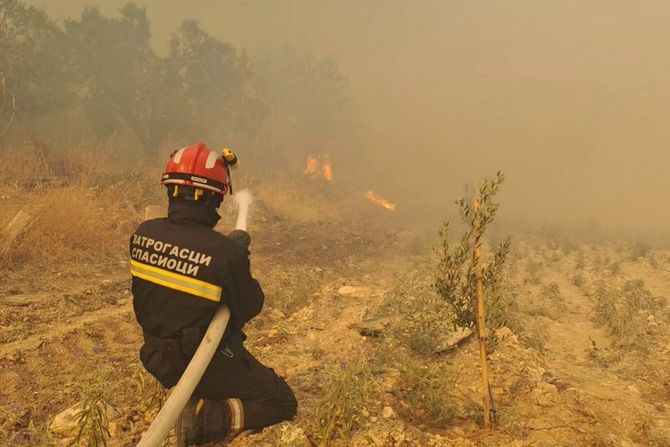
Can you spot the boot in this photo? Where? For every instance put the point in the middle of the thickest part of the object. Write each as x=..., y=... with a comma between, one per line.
x=188, y=429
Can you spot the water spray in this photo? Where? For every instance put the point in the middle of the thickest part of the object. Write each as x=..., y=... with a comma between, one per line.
x=243, y=200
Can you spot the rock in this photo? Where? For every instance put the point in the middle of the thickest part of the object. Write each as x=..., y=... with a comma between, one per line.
x=150, y=415
x=113, y=428
x=505, y=334
x=65, y=424
x=374, y=437
x=456, y=338
x=633, y=388
x=442, y=441
x=400, y=438
x=353, y=291
x=294, y=436
x=23, y=299
x=387, y=412
x=370, y=328
x=272, y=333
x=544, y=395
x=277, y=314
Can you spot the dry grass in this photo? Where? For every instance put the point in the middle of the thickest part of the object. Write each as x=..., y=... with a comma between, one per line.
x=294, y=197
x=68, y=223
x=647, y=431
x=290, y=203
x=36, y=164
x=83, y=204
x=86, y=202
x=426, y=394
x=288, y=290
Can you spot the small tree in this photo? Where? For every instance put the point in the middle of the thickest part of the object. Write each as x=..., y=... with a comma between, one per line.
x=200, y=90
x=116, y=72
x=208, y=90
x=32, y=65
x=462, y=280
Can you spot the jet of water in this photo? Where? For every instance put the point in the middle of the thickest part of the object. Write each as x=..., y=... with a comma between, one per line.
x=243, y=199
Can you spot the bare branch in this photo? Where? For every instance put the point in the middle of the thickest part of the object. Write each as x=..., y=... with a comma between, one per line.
x=7, y=97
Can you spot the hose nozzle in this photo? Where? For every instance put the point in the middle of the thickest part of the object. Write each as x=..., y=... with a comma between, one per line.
x=241, y=236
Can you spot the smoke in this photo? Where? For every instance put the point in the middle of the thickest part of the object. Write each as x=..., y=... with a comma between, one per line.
x=568, y=98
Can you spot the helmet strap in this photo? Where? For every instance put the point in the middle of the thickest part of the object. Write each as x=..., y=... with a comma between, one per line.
x=230, y=179
x=194, y=195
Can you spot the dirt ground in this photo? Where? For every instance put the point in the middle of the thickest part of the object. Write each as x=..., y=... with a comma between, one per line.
x=560, y=376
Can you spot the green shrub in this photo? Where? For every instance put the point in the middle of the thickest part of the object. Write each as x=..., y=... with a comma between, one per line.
x=346, y=390
x=425, y=393
x=534, y=272
x=621, y=310
x=638, y=249
x=455, y=278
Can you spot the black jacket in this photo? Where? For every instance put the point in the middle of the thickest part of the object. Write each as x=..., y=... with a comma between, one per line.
x=182, y=271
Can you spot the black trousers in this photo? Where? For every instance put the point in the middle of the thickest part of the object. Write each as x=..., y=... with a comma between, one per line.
x=265, y=397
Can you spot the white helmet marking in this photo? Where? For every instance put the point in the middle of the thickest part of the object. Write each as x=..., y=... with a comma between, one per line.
x=211, y=160
x=177, y=156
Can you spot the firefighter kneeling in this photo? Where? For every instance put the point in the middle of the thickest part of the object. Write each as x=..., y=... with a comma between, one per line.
x=182, y=271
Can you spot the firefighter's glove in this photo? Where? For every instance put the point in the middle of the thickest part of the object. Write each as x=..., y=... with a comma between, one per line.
x=241, y=236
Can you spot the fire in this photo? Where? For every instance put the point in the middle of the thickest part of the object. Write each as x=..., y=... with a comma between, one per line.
x=312, y=165
x=372, y=197
x=328, y=172
x=322, y=164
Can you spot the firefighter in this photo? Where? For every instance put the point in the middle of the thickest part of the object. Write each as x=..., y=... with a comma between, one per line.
x=182, y=270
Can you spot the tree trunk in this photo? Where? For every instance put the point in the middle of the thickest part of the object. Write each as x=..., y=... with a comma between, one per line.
x=481, y=317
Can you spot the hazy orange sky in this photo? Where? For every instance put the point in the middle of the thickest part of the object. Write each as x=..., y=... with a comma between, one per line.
x=571, y=98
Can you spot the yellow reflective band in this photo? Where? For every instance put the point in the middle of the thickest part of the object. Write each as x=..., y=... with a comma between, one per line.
x=175, y=281
x=236, y=414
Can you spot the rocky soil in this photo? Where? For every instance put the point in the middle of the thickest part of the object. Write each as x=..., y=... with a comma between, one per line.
x=353, y=324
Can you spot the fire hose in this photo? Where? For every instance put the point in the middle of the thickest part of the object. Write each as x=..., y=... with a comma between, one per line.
x=181, y=393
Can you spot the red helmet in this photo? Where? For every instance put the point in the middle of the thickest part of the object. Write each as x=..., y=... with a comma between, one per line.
x=199, y=167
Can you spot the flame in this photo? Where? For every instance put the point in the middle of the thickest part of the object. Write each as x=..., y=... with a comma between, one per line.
x=312, y=165
x=328, y=172
x=316, y=164
x=372, y=197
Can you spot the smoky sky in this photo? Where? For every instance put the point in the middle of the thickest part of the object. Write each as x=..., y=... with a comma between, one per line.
x=571, y=98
